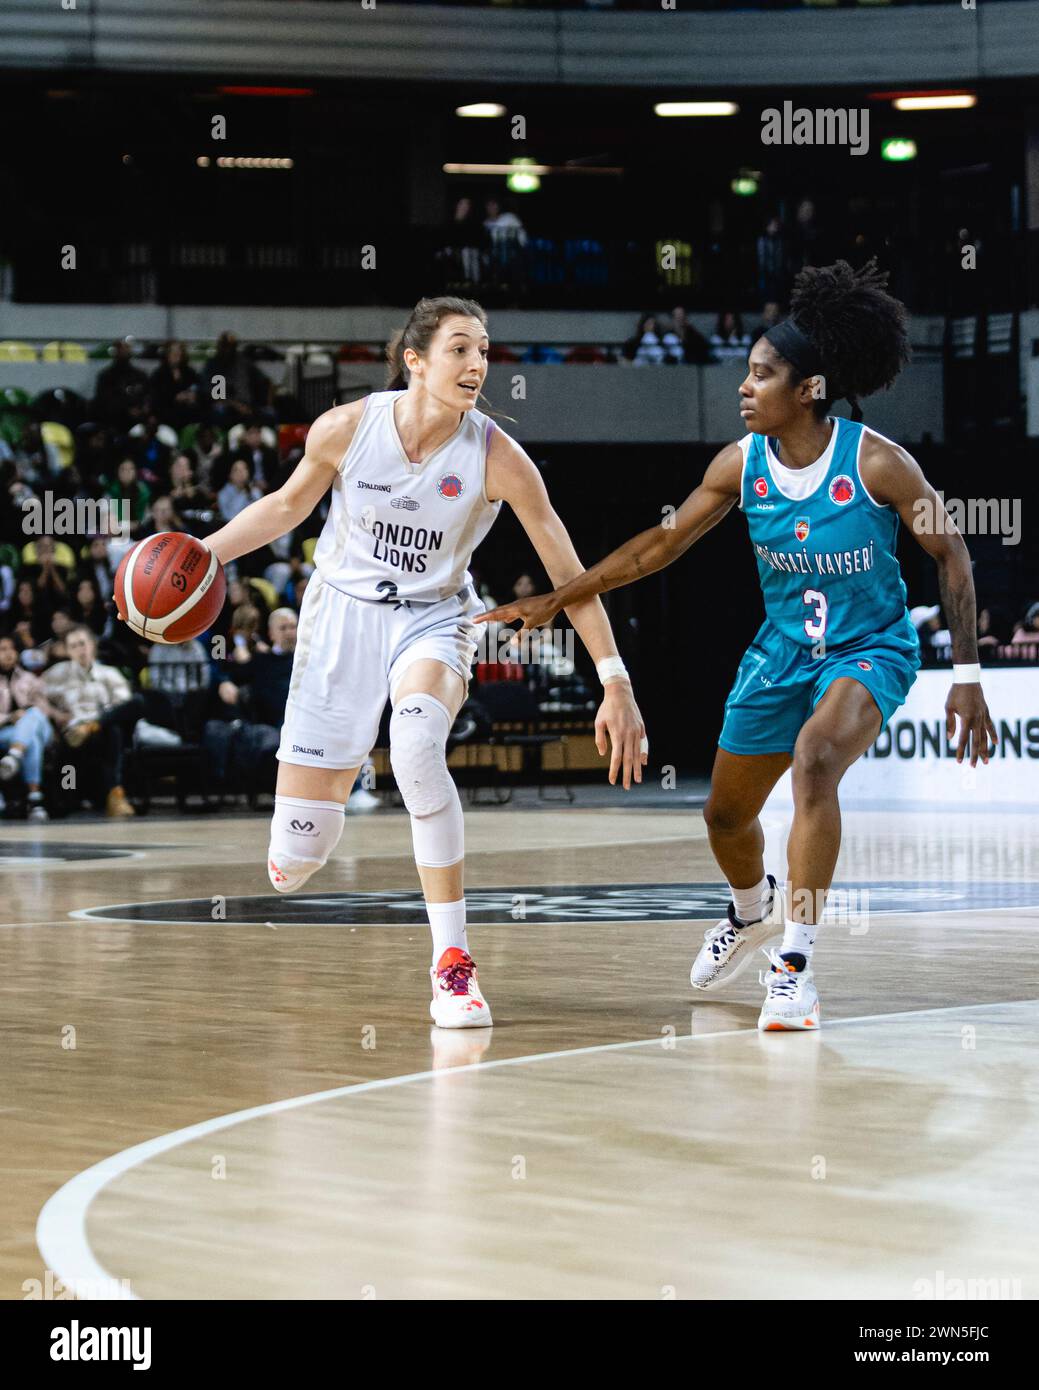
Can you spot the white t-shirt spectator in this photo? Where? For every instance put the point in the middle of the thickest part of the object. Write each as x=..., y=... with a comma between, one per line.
x=85, y=694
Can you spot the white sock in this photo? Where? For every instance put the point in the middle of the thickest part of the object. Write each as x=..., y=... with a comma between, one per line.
x=447, y=922
x=800, y=937
x=749, y=902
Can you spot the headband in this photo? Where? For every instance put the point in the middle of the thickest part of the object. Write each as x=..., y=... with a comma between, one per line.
x=791, y=343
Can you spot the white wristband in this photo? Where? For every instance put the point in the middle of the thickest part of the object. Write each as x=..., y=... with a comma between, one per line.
x=966, y=674
x=611, y=666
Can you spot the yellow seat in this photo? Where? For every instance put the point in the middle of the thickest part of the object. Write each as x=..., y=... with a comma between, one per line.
x=59, y=351
x=11, y=351
x=64, y=555
x=309, y=546
x=267, y=592
x=60, y=437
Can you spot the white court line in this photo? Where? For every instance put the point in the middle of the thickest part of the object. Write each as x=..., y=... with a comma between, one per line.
x=61, y=1228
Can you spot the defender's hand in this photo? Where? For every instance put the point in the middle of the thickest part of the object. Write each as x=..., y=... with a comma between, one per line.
x=976, y=727
x=535, y=612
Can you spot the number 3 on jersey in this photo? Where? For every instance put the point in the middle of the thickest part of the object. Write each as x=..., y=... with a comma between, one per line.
x=816, y=626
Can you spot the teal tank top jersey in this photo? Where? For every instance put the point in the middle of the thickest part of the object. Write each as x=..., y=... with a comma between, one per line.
x=834, y=596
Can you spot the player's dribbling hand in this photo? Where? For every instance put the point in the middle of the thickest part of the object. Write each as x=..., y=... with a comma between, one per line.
x=619, y=717
x=535, y=612
x=977, y=730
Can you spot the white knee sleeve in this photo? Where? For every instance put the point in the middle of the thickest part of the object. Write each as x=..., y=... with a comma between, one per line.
x=419, y=728
x=303, y=835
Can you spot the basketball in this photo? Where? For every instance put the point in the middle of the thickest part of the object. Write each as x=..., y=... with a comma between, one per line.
x=169, y=588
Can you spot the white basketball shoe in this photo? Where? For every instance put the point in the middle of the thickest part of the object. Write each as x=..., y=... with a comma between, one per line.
x=457, y=1001
x=791, y=1000
x=728, y=947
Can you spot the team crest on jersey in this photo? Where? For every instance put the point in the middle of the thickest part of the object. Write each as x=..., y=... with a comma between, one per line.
x=864, y=665
x=842, y=489
x=761, y=487
x=450, y=485
x=408, y=503
x=801, y=528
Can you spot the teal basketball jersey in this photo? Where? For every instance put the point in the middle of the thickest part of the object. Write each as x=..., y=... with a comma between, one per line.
x=827, y=561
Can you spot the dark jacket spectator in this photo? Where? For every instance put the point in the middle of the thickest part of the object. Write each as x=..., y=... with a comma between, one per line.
x=121, y=390
x=174, y=388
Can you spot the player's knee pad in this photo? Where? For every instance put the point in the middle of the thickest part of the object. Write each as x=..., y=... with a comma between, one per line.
x=419, y=728
x=303, y=835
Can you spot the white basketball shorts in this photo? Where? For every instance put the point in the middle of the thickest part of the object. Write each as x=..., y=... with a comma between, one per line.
x=350, y=656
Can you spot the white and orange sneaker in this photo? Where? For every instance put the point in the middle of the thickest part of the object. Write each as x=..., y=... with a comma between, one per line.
x=457, y=1001
x=729, y=947
x=791, y=1001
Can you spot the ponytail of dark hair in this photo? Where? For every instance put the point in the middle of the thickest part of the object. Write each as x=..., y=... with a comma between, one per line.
x=418, y=333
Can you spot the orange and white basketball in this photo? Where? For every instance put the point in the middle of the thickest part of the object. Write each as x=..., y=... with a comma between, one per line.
x=169, y=588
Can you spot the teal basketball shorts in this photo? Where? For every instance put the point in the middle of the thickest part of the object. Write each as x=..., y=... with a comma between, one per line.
x=779, y=683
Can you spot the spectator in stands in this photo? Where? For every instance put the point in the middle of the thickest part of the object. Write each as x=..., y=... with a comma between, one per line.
x=256, y=690
x=96, y=567
x=263, y=460
x=150, y=444
x=232, y=388
x=162, y=516
x=244, y=635
x=174, y=387
x=927, y=619
x=771, y=313
x=48, y=578
x=53, y=650
x=186, y=495
x=694, y=346
x=986, y=636
x=728, y=341
x=502, y=225
x=25, y=727
x=121, y=390
x=773, y=256
x=209, y=458
x=96, y=455
x=97, y=713
x=645, y=348
x=28, y=616
x=463, y=241
x=130, y=494
x=7, y=586
x=1026, y=633
x=807, y=248
x=238, y=491
x=88, y=607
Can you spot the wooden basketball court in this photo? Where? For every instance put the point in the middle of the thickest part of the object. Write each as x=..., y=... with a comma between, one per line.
x=212, y=1092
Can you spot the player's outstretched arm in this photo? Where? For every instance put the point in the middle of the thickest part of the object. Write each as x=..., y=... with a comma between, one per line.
x=645, y=553
x=282, y=511
x=894, y=477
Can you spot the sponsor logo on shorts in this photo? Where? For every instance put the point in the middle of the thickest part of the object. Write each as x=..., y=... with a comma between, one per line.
x=375, y=487
x=864, y=665
x=408, y=503
x=450, y=485
x=842, y=490
x=801, y=528
x=761, y=487
x=314, y=752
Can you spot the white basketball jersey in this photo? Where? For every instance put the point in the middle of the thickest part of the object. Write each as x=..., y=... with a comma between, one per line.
x=397, y=529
